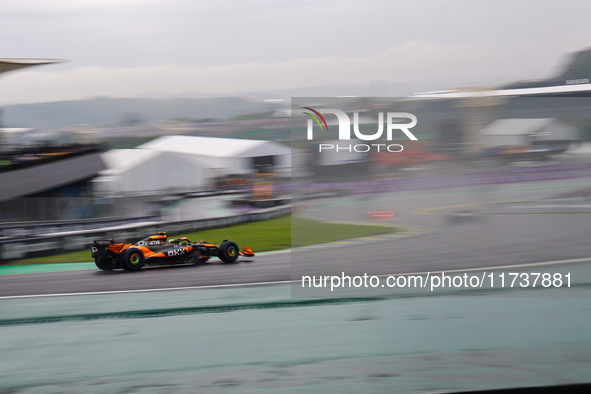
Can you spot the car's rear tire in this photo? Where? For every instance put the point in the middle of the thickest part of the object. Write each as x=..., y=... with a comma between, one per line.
x=133, y=260
x=228, y=252
x=105, y=263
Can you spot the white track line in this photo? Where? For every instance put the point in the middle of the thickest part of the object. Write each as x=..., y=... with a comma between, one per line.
x=280, y=282
x=148, y=290
x=500, y=267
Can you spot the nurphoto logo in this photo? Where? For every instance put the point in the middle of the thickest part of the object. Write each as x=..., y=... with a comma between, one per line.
x=345, y=130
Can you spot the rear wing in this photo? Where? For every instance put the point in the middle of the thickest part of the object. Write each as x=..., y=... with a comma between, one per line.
x=105, y=242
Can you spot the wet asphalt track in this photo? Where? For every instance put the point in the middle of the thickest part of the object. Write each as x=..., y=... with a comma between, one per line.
x=494, y=238
x=228, y=339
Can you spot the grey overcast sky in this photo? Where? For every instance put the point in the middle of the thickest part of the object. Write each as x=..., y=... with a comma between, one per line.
x=131, y=48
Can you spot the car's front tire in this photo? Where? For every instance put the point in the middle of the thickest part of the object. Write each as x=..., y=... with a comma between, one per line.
x=133, y=259
x=228, y=252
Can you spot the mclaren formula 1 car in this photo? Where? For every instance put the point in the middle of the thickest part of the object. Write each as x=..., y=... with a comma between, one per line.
x=158, y=251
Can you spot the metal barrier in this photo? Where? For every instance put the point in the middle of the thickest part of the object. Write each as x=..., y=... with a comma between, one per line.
x=36, y=209
x=29, y=229
x=41, y=246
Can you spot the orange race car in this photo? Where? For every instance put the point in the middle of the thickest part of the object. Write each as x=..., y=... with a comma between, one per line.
x=156, y=250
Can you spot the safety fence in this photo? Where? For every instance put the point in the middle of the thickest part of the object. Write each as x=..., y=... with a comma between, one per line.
x=29, y=229
x=41, y=246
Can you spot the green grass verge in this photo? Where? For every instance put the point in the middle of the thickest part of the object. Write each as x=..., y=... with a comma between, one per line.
x=264, y=236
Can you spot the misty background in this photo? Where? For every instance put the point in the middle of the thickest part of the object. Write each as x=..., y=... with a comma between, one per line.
x=265, y=49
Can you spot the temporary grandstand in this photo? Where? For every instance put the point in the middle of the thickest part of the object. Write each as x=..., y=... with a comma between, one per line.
x=12, y=63
x=31, y=170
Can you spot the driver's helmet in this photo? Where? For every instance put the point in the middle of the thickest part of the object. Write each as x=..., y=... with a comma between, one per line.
x=161, y=236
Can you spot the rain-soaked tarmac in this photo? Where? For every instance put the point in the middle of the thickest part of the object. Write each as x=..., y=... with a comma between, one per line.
x=258, y=339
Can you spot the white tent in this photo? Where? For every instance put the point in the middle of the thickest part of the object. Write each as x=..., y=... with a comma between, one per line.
x=579, y=149
x=186, y=164
x=224, y=156
x=12, y=135
x=142, y=172
x=520, y=132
